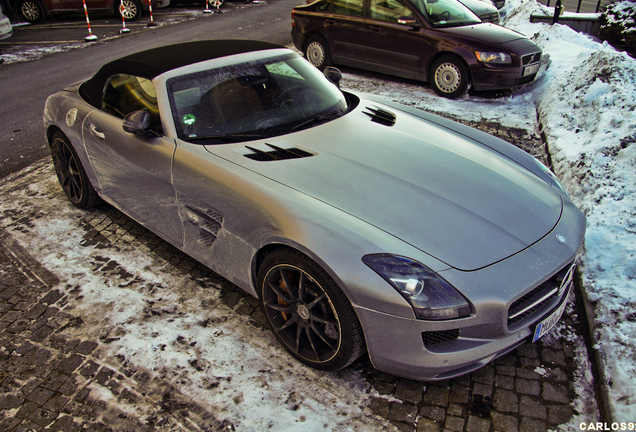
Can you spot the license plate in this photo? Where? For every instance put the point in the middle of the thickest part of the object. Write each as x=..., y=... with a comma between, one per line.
x=546, y=325
x=529, y=70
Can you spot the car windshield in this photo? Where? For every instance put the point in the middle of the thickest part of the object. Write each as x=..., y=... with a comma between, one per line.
x=251, y=100
x=446, y=13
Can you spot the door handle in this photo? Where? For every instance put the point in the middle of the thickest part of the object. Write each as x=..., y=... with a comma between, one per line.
x=375, y=28
x=329, y=21
x=96, y=132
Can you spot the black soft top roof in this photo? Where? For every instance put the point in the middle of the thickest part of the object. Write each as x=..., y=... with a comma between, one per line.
x=154, y=62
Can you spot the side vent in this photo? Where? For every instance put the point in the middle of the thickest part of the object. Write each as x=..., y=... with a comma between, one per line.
x=276, y=154
x=208, y=223
x=381, y=116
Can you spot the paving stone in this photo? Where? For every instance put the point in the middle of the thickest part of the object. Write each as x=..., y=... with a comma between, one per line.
x=506, y=401
x=559, y=414
x=506, y=382
x=477, y=424
x=427, y=425
x=532, y=425
x=40, y=396
x=529, y=387
x=403, y=413
x=505, y=423
x=410, y=391
x=531, y=407
x=436, y=395
x=455, y=424
x=484, y=390
x=435, y=413
x=455, y=410
x=555, y=393
x=553, y=356
x=459, y=393
x=10, y=402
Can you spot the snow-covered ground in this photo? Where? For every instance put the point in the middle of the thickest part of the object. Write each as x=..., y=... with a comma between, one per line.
x=586, y=100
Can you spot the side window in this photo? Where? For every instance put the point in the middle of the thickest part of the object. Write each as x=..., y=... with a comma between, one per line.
x=127, y=93
x=348, y=7
x=389, y=10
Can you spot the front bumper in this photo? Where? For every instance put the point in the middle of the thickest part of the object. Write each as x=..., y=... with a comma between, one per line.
x=439, y=350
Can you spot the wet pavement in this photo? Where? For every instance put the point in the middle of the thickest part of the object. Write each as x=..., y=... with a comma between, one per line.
x=51, y=379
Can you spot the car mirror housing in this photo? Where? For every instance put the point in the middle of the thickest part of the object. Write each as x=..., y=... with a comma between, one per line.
x=137, y=122
x=408, y=21
x=333, y=74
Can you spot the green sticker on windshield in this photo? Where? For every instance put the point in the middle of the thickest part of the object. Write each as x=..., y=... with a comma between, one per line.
x=189, y=119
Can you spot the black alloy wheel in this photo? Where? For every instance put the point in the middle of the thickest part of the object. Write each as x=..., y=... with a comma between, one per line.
x=317, y=52
x=32, y=11
x=71, y=174
x=307, y=311
x=449, y=77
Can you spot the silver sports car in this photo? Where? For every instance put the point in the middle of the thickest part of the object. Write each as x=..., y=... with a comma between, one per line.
x=359, y=224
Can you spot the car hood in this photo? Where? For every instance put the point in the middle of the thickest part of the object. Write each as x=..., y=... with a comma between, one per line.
x=449, y=196
x=486, y=32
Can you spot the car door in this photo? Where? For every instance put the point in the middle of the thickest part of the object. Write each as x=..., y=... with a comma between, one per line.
x=345, y=30
x=134, y=172
x=392, y=47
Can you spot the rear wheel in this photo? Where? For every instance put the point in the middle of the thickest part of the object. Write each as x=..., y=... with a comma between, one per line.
x=307, y=312
x=32, y=10
x=130, y=9
x=317, y=52
x=449, y=77
x=71, y=174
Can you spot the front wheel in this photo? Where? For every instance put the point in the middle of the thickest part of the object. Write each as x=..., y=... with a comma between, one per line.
x=317, y=52
x=129, y=9
x=449, y=77
x=307, y=312
x=71, y=173
x=32, y=10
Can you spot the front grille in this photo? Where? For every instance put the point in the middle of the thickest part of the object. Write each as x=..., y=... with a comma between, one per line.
x=529, y=304
x=531, y=58
x=436, y=337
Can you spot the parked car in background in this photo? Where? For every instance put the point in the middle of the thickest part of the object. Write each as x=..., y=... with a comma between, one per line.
x=437, y=41
x=484, y=9
x=35, y=11
x=5, y=26
x=358, y=223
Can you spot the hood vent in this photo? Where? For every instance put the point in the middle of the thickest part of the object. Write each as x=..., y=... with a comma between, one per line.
x=276, y=154
x=381, y=116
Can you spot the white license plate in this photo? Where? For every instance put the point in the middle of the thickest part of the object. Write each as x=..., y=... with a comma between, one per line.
x=529, y=70
x=546, y=325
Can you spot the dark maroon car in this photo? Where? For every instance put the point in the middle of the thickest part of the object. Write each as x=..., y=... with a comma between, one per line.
x=438, y=41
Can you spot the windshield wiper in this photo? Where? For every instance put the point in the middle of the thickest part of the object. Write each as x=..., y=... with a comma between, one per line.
x=318, y=118
x=228, y=137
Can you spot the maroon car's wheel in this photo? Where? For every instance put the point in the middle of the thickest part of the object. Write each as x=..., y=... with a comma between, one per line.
x=317, y=52
x=32, y=10
x=130, y=9
x=71, y=174
x=449, y=77
x=307, y=311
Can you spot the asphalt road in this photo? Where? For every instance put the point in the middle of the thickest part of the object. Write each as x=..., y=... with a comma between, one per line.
x=25, y=86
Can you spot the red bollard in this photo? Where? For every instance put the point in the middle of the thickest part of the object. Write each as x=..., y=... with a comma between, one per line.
x=91, y=37
x=207, y=8
x=123, y=20
x=152, y=22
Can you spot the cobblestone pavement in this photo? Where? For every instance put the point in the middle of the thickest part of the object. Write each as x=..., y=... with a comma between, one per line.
x=51, y=380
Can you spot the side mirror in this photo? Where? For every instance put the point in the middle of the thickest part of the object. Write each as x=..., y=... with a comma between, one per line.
x=409, y=22
x=137, y=122
x=333, y=74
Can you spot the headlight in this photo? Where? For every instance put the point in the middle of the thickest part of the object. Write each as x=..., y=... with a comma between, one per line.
x=431, y=297
x=493, y=57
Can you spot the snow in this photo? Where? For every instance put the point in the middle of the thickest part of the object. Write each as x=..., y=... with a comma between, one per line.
x=586, y=102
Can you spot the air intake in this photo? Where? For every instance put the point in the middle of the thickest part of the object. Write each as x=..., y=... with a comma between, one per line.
x=276, y=154
x=381, y=116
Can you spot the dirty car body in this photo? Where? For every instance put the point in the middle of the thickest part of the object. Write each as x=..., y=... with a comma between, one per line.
x=358, y=223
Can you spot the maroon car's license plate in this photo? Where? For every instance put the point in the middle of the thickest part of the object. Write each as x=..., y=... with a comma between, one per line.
x=529, y=70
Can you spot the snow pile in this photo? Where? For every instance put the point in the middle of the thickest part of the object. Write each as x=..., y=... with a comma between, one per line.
x=587, y=106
